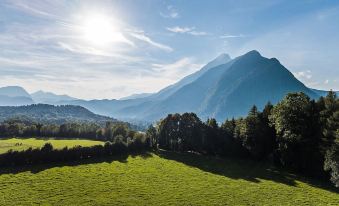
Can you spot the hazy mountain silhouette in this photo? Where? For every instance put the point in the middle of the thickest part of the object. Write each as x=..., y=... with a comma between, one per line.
x=225, y=91
x=139, y=104
x=136, y=96
x=168, y=91
x=49, y=97
x=14, y=91
x=14, y=96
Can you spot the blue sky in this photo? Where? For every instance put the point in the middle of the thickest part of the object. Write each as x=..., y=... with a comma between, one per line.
x=111, y=49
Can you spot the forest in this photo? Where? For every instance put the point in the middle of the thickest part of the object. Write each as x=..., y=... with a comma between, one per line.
x=297, y=133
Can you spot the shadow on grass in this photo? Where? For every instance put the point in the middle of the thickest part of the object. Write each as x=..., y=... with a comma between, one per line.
x=245, y=169
x=41, y=167
x=234, y=168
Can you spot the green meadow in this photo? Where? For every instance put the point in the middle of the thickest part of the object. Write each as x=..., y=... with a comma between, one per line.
x=166, y=178
x=22, y=144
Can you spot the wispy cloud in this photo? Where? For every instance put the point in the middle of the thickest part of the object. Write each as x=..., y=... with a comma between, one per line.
x=171, y=12
x=41, y=9
x=198, y=33
x=228, y=36
x=49, y=54
x=177, y=69
x=143, y=37
x=186, y=30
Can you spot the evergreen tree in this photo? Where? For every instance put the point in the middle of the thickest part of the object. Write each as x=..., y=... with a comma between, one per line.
x=151, y=133
x=211, y=139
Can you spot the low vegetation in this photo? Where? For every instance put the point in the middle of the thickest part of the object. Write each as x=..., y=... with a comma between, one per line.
x=167, y=178
x=286, y=153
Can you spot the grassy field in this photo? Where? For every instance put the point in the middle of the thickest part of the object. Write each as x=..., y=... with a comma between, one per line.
x=21, y=144
x=164, y=179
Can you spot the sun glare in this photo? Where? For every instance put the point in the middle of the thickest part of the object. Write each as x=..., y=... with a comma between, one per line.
x=101, y=30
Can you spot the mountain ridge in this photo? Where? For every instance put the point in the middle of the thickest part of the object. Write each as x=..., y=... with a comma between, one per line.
x=49, y=97
x=223, y=88
x=209, y=95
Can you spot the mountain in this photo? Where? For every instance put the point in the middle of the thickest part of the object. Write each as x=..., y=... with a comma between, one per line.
x=124, y=106
x=49, y=97
x=168, y=91
x=14, y=91
x=52, y=114
x=14, y=96
x=223, y=88
x=222, y=91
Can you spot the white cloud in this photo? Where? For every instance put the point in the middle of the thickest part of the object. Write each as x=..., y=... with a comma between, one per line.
x=186, y=30
x=177, y=29
x=171, y=12
x=302, y=75
x=326, y=81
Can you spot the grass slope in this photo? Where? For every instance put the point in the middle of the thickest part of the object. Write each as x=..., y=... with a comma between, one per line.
x=21, y=144
x=163, y=179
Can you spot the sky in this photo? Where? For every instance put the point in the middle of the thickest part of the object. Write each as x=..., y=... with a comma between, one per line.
x=110, y=49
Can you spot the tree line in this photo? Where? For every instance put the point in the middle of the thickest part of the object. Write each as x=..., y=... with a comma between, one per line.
x=119, y=140
x=297, y=133
x=48, y=154
x=74, y=130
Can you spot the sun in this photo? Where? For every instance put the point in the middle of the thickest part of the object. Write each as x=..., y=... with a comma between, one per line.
x=101, y=30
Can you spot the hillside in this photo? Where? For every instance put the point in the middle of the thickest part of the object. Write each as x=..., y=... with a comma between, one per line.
x=164, y=179
x=52, y=114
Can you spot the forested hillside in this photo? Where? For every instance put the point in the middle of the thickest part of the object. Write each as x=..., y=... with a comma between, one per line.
x=44, y=113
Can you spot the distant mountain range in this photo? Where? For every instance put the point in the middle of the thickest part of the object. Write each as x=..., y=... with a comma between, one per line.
x=14, y=96
x=18, y=96
x=223, y=88
x=49, y=97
